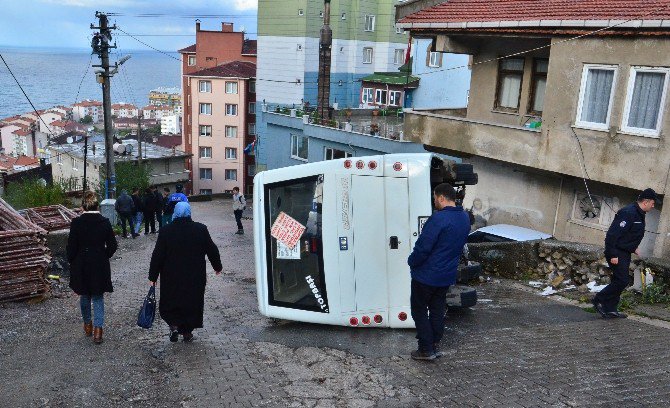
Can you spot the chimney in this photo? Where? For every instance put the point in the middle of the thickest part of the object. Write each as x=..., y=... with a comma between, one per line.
x=226, y=27
x=325, y=45
x=197, y=25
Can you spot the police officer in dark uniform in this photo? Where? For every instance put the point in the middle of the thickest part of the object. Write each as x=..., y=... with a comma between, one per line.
x=622, y=239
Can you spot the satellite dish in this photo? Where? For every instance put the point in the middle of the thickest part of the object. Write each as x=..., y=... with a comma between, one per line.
x=69, y=140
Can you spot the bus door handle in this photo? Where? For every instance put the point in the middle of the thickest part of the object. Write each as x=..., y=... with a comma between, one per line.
x=393, y=242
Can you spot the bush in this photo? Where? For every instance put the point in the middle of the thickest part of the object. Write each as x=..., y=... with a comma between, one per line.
x=129, y=175
x=35, y=193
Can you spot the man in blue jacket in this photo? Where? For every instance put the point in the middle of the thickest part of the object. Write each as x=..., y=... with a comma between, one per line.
x=622, y=239
x=433, y=265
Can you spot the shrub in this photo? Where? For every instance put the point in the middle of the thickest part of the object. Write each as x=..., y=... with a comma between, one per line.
x=35, y=193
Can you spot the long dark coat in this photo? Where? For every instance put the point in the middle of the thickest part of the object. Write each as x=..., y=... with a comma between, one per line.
x=179, y=259
x=90, y=245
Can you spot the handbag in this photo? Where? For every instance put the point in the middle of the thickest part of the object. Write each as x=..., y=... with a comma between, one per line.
x=145, y=319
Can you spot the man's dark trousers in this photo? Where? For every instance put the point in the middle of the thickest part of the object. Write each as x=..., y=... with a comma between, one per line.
x=429, y=305
x=127, y=217
x=611, y=295
x=238, y=219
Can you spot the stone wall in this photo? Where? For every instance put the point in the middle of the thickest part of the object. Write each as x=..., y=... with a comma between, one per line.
x=556, y=263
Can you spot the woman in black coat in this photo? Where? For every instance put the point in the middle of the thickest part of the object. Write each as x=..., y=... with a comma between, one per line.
x=179, y=258
x=90, y=245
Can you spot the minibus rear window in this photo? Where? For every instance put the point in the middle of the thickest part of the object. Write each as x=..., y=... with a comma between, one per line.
x=295, y=275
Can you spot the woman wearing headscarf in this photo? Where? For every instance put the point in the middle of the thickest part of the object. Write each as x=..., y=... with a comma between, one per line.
x=179, y=259
x=89, y=246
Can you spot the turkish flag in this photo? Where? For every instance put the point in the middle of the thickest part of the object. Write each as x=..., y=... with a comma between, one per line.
x=408, y=54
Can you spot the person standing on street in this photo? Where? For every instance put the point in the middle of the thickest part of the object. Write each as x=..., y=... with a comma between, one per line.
x=623, y=239
x=433, y=264
x=139, y=210
x=149, y=205
x=239, y=205
x=89, y=246
x=125, y=207
x=158, y=201
x=167, y=211
x=177, y=197
x=179, y=260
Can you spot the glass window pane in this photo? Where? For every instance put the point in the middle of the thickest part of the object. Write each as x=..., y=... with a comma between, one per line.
x=595, y=106
x=645, y=104
x=296, y=278
x=510, y=89
x=538, y=95
x=512, y=64
x=542, y=66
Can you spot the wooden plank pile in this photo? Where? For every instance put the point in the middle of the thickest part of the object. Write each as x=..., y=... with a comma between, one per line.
x=51, y=217
x=24, y=256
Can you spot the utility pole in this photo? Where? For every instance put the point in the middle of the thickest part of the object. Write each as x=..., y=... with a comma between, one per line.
x=101, y=46
x=139, y=138
x=325, y=46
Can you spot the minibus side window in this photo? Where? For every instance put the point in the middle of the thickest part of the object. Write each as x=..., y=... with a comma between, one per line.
x=295, y=275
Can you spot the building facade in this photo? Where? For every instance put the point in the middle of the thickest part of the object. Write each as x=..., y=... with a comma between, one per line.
x=164, y=96
x=171, y=125
x=87, y=108
x=212, y=49
x=125, y=110
x=576, y=125
x=224, y=125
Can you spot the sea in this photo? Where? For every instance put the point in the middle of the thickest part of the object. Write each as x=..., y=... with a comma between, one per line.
x=62, y=76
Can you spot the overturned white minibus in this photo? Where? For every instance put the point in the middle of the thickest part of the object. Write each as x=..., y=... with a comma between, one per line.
x=332, y=238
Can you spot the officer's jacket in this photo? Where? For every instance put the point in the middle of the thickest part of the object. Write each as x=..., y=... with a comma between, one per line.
x=626, y=232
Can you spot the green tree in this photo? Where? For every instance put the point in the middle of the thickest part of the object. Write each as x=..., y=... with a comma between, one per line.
x=88, y=119
x=35, y=193
x=129, y=175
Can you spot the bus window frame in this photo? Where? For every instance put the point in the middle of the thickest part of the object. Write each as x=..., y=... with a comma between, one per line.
x=268, y=250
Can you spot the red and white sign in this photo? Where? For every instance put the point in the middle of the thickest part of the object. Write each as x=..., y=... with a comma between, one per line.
x=287, y=230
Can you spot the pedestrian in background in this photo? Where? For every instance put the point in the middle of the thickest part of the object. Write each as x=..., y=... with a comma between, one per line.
x=623, y=239
x=158, y=200
x=149, y=213
x=139, y=210
x=167, y=211
x=239, y=205
x=433, y=264
x=89, y=246
x=179, y=259
x=125, y=207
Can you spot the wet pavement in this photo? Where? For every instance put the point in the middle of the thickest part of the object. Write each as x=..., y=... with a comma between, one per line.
x=514, y=349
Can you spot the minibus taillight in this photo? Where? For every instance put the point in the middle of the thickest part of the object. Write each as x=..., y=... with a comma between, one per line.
x=378, y=319
x=397, y=166
x=372, y=165
x=360, y=165
x=347, y=164
x=402, y=316
x=353, y=321
x=365, y=320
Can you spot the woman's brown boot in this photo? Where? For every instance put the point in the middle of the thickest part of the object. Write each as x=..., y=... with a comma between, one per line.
x=97, y=335
x=88, y=329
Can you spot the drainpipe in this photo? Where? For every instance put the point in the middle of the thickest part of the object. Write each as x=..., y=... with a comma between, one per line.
x=325, y=48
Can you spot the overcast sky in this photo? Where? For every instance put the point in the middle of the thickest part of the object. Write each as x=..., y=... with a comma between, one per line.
x=65, y=23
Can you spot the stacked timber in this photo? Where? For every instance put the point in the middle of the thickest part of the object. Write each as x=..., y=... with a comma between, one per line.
x=51, y=217
x=24, y=256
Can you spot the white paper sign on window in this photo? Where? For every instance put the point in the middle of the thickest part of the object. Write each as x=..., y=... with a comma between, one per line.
x=284, y=252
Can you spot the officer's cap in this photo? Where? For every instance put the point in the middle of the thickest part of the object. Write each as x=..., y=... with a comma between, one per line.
x=648, y=194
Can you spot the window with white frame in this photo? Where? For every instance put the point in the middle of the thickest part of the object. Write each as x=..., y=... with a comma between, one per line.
x=191, y=60
x=206, y=152
x=231, y=109
x=205, y=108
x=231, y=131
x=231, y=174
x=299, y=147
x=205, y=173
x=205, y=191
x=367, y=96
x=332, y=154
x=399, y=57
x=645, y=98
x=395, y=98
x=231, y=153
x=369, y=22
x=367, y=55
x=380, y=96
x=595, y=96
x=252, y=108
x=205, y=86
x=252, y=129
x=205, y=131
x=231, y=87
x=435, y=60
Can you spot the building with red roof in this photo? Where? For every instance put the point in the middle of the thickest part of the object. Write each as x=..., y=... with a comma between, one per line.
x=563, y=93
